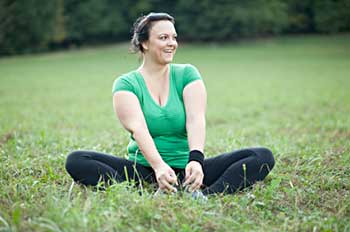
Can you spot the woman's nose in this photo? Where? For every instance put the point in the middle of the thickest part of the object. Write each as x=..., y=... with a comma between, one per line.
x=172, y=42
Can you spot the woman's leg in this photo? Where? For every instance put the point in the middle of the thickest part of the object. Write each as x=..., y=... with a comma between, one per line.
x=89, y=167
x=236, y=170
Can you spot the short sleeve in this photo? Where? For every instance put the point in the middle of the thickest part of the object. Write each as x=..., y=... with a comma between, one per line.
x=191, y=74
x=121, y=84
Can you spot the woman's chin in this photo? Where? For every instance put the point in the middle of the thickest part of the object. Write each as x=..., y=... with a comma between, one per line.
x=168, y=58
x=166, y=61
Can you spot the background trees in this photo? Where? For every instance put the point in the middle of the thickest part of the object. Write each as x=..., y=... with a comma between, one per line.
x=33, y=25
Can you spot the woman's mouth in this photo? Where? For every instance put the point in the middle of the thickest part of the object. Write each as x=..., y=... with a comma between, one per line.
x=169, y=51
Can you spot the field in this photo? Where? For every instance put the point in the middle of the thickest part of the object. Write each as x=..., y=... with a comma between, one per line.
x=289, y=94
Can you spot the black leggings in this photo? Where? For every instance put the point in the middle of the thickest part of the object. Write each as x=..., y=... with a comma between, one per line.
x=227, y=172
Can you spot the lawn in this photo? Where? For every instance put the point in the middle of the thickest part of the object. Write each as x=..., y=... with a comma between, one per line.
x=289, y=94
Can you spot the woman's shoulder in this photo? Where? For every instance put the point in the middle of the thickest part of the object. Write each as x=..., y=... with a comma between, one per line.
x=183, y=75
x=185, y=71
x=129, y=76
x=182, y=67
x=126, y=81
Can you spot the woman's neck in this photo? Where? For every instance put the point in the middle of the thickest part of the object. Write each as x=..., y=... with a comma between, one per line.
x=154, y=70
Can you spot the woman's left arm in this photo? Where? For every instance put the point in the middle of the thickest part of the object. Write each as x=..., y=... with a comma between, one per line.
x=195, y=99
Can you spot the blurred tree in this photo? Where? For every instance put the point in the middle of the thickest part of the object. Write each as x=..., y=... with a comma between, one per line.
x=301, y=16
x=227, y=19
x=59, y=30
x=25, y=25
x=332, y=15
x=95, y=20
x=33, y=25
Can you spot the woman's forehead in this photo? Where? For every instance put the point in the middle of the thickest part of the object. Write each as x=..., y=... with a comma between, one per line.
x=163, y=27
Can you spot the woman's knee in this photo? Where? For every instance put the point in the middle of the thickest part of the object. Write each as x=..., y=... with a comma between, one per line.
x=73, y=160
x=265, y=156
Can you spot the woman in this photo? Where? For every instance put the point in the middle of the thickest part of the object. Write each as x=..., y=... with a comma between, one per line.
x=163, y=107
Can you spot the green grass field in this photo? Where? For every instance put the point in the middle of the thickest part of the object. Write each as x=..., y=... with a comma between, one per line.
x=290, y=94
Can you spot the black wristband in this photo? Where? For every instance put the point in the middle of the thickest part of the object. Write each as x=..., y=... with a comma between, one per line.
x=198, y=156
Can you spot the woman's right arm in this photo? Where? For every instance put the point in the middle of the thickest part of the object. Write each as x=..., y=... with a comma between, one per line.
x=128, y=109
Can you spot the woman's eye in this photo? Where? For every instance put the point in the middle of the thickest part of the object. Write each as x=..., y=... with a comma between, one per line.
x=163, y=37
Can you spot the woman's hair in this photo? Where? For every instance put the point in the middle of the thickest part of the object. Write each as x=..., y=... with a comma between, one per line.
x=142, y=27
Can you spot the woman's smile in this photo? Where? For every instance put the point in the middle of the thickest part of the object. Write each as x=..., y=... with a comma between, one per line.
x=162, y=42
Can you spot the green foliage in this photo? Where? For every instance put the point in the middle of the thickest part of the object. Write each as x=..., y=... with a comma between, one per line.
x=95, y=20
x=300, y=16
x=332, y=16
x=59, y=33
x=29, y=26
x=229, y=19
x=325, y=16
x=25, y=25
x=288, y=94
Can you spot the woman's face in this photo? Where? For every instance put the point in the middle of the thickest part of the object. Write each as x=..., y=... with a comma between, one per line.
x=161, y=45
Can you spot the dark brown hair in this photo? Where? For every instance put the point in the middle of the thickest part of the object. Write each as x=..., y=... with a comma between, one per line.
x=142, y=27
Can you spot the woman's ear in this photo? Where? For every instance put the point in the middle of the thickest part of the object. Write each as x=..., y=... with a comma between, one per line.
x=145, y=45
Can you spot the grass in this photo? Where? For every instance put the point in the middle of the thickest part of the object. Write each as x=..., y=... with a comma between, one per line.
x=289, y=94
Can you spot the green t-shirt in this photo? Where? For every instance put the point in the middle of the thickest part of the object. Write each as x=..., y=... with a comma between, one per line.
x=166, y=124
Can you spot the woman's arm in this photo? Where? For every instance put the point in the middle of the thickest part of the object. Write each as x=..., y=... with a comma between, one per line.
x=128, y=110
x=195, y=99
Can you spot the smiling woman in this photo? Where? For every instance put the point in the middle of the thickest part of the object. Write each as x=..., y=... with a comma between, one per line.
x=163, y=107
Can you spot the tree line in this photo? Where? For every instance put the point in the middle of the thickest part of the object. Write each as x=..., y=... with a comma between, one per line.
x=28, y=26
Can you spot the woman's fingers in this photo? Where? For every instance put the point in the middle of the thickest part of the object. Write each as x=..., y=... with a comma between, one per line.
x=194, y=181
x=196, y=184
x=193, y=178
x=194, y=175
x=172, y=178
x=189, y=180
x=166, y=178
x=169, y=187
x=188, y=175
x=166, y=182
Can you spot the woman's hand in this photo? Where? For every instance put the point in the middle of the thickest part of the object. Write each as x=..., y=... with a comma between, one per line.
x=166, y=177
x=194, y=176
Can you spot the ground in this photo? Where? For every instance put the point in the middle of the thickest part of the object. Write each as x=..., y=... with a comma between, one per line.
x=289, y=94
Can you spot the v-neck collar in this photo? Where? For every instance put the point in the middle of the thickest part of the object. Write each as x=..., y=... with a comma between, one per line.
x=148, y=92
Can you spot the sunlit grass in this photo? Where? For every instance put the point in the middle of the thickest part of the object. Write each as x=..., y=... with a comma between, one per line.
x=290, y=94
